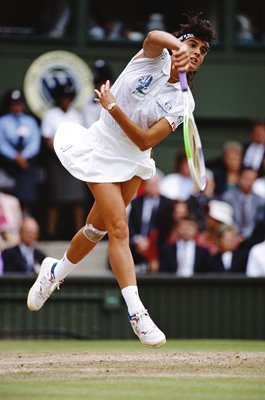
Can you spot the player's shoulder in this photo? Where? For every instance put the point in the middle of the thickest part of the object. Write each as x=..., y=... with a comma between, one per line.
x=163, y=56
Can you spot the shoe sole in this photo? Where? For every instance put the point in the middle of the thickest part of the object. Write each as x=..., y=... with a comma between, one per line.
x=156, y=345
x=43, y=265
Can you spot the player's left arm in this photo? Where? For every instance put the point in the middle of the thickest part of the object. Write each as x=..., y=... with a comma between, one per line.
x=144, y=139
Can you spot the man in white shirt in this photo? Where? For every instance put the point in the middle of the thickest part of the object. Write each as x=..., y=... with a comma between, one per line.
x=178, y=185
x=184, y=257
x=254, y=150
x=256, y=260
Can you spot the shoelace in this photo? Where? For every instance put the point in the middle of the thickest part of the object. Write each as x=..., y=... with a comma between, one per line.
x=46, y=288
x=52, y=279
x=143, y=325
x=137, y=316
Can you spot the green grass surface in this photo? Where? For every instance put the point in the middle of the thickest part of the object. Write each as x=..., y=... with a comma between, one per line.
x=243, y=381
x=142, y=389
x=130, y=345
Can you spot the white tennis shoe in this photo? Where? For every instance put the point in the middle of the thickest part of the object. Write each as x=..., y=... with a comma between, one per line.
x=44, y=285
x=149, y=334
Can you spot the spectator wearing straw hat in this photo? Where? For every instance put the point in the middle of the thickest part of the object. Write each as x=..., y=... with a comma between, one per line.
x=219, y=213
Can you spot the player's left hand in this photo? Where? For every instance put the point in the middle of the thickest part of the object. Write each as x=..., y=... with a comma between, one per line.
x=105, y=97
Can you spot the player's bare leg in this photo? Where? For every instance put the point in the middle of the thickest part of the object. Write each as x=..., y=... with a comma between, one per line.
x=53, y=271
x=110, y=201
x=109, y=213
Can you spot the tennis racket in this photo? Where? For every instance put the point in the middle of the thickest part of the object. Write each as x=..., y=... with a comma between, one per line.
x=192, y=141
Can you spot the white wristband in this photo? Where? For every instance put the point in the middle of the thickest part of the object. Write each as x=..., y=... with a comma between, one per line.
x=110, y=106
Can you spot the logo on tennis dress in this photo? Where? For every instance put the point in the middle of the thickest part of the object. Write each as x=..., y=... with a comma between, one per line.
x=143, y=85
x=180, y=119
x=165, y=108
x=173, y=125
x=67, y=147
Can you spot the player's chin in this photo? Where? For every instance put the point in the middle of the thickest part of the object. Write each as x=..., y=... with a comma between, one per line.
x=194, y=67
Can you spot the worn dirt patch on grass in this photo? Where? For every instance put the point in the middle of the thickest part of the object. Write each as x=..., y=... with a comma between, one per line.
x=87, y=365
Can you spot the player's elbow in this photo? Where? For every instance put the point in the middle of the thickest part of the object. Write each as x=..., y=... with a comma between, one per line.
x=151, y=36
x=145, y=145
x=141, y=139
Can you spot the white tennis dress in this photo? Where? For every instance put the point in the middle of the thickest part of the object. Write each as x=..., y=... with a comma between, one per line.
x=103, y=152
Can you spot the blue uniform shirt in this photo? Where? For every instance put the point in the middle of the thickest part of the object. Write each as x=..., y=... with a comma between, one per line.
x=15, y=126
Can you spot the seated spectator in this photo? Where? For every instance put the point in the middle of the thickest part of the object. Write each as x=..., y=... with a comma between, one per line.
x=20, y=140
x=247, y=206
x=169, y=230
x=198, y=201
x=256, y=259
x=105, y=23
x=259, y=186
x=25, y=257
x=226, y=168
x=10, y=216
x=10, y=220
x=178, y=184
x=166, y=230
x=184, y=257
x=219, y=213
x=155, y=22
x=254, y=149
x=145, y=210
x=230, y=257
x=244, y=29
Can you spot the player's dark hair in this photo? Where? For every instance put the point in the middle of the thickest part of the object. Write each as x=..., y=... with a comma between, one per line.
x=201, y=27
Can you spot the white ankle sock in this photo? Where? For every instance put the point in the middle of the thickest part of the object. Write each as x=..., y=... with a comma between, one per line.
x=63, y=268
x=132, y=299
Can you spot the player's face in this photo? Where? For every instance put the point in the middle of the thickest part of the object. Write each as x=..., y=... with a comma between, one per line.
x=197, y=51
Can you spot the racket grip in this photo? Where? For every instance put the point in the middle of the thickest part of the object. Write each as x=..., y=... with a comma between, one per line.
x=183, y=81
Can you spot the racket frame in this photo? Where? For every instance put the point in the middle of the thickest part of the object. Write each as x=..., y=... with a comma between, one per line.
x=198, y=173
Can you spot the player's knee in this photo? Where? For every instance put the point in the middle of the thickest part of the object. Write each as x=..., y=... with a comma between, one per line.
x=119, y=230
x=93, y=234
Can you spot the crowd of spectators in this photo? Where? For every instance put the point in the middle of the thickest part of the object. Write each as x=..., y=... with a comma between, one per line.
x=219, y=230
x=174, y=228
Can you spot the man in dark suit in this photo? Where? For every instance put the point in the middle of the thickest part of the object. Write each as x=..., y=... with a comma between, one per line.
x=184, y=257
x=144, y=214
x=232, y=254
x=24, y=258
x=248, y=207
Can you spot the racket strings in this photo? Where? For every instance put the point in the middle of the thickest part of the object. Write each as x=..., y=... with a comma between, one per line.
x=196, y=154
x=193, y=146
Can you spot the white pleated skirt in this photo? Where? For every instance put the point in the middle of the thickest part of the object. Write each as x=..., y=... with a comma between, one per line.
x=99, y=154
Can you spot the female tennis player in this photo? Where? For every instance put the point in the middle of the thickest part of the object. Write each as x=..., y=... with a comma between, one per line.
x=142, y=108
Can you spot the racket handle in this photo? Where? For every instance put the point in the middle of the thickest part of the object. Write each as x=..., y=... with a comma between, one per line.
x=183, y=81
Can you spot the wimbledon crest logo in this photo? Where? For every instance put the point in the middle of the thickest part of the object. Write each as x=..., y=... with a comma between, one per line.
x=53, y=69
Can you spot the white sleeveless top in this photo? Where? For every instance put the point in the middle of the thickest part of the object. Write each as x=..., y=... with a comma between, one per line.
x=104, y=153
